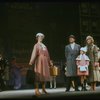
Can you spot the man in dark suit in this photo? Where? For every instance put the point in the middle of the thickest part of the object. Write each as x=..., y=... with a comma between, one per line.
x=71, y=52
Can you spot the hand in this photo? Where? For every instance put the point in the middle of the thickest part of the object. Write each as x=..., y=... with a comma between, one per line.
x=78, y=66
x=96, y=64
x=86, y=66
x=30, y=63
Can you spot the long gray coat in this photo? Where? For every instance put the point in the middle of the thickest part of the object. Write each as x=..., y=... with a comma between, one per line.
x=94, y=74
x=71, y=55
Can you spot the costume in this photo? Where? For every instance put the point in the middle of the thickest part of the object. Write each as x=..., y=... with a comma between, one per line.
x=71, y=52
x=94, y=74
x=82, y=65
x=40, y=58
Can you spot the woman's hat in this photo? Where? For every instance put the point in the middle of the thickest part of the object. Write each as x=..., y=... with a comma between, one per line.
x=90, y=37
x=39, y=34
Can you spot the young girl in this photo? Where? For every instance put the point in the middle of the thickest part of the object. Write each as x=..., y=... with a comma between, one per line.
x=54, y=74
x=82, y=62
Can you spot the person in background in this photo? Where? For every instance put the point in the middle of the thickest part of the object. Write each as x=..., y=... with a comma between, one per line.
x=2, y=70
x=41, y=60
x=92, y=53
x=53, y=77
x=15, y=74
x=82, y=62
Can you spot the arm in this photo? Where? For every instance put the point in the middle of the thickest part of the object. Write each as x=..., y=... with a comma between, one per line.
x=33, y=55
x=95, y=55
x=78, y=63
x=66, y=52
x=87, y=60
x=48, y=56
x=87, y=63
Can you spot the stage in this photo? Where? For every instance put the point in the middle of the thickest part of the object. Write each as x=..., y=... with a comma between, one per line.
x=53, y=93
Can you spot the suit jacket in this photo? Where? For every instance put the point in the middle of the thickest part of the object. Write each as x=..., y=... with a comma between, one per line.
x=71, y=55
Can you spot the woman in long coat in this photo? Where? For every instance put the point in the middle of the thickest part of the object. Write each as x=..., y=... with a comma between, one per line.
x=40, y=58
x=92, y=52
x=99, y=57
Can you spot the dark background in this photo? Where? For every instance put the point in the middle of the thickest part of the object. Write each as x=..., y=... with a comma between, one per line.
x=19, y=23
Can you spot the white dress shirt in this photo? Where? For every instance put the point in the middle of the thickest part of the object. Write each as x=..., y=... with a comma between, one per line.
x=72, y=45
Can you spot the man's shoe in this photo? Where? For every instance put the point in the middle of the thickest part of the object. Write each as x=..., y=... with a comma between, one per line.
x=77, y=90
x=66, y=90
x=85, y=89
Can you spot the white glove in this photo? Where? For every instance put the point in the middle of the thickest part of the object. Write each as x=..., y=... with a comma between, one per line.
x=79, y=66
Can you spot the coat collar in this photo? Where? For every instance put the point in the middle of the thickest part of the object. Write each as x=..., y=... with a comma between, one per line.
x=74, y=46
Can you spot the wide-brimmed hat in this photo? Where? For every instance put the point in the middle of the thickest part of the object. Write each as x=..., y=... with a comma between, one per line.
x=39, y=34
x=83, y=49
x=72, y=36
x=90, y=37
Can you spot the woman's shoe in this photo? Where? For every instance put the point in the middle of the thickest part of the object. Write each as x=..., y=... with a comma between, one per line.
x=37, y=93
x=44, y=92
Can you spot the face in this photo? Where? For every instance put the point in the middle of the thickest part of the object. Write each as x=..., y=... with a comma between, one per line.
x=89, y=41
x=40, y=38
x=81, y=52
x=71, y=40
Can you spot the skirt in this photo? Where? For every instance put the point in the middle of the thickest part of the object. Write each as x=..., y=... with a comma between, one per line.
x=81, y=73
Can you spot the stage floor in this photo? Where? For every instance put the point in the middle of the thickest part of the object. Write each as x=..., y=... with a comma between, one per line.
x=53, y=93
